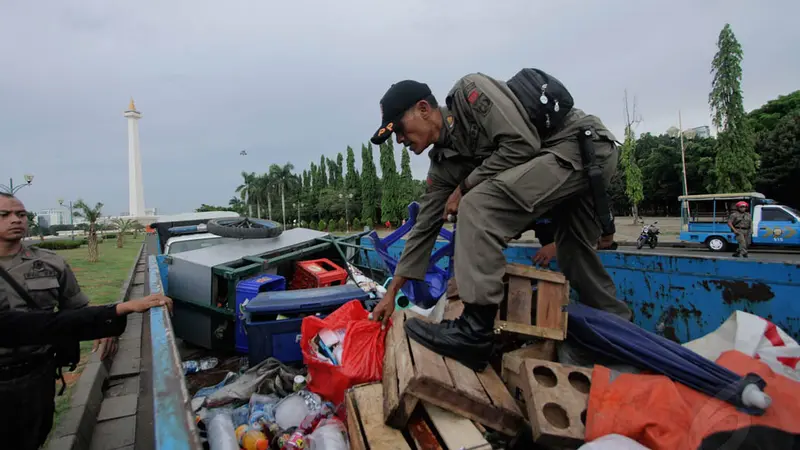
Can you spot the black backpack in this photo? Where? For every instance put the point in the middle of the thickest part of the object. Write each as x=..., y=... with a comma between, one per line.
x=544, y=98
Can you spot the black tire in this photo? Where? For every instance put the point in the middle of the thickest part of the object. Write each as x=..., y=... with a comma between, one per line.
x=244, y=228
x=654, y=242
x=716, y=244
x=640, y=243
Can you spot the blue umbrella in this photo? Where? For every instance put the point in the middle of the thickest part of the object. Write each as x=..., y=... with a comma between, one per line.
x=627, y=343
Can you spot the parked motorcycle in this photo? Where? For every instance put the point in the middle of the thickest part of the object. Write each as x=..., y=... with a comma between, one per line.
x=649, y=236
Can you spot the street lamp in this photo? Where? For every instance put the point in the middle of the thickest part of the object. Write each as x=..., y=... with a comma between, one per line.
x=346, y=212
x=71, y=226
x=11, y=189
x=298, y=205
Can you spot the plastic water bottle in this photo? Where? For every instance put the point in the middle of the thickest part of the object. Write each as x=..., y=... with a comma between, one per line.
x=195, y=366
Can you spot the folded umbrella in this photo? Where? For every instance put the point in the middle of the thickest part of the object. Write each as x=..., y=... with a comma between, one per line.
x=627, y=343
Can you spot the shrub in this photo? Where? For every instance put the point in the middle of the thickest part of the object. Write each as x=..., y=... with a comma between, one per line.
x=59, y=245
x=342, y=226
x=321, y=225
x=357, y=224
x=332, y=225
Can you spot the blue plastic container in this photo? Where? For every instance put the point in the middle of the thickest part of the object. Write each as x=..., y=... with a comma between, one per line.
x=270, y=336
x=249, y=289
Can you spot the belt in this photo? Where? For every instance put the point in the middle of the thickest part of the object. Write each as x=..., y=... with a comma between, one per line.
x=20, y=369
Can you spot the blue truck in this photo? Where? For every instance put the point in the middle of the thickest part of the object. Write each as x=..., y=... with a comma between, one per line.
x=679, y=297
x=704, y=220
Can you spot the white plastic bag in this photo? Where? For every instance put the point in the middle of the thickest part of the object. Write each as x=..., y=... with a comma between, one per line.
x=330, y=434
x=755, y=337
x=613, y=442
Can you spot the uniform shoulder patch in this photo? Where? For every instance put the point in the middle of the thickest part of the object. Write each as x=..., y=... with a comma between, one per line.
x=483, y=104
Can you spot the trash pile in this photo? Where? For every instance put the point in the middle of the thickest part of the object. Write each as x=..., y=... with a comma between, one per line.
x=333, y=379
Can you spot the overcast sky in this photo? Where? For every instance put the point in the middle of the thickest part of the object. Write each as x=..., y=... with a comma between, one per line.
x=289, y=81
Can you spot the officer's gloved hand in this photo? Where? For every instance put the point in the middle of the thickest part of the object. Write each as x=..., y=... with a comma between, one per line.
x=606, y=243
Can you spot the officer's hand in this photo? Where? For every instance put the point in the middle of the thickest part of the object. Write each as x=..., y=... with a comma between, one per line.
x=545, y=254
x=606, y=242
x=452, y=203
x=109, y=346
x=145, y=303
x=384, y=309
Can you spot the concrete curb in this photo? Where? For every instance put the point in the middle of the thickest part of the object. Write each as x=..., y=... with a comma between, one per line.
x=74, y=431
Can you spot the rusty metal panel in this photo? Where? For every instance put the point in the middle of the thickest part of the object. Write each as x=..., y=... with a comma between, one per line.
x=686, y=297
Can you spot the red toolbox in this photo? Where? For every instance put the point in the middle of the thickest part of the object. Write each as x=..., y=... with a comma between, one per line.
x=318, y=273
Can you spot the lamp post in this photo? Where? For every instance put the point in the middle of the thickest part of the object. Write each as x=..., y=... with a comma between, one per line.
x=346, y=212
x=11, y=189
x=298, y=205
x=71, y=226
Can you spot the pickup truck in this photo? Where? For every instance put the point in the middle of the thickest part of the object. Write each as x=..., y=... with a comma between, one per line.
x=704, y=220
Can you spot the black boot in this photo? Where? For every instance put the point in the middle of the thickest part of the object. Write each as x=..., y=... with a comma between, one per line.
x=468, y=339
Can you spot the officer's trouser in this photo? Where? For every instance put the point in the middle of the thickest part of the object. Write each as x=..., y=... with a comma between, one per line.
x=502, y=207
x=743, y=239
x=27, y=405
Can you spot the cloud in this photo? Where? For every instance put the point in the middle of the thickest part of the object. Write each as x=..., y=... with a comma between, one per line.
x=289, y=81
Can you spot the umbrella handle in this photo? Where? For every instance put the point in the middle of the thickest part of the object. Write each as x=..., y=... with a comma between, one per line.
x=752, y=396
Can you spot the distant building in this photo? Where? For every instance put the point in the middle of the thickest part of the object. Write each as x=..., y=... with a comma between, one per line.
x=702, y=132
x=53, y=216
x=691, y=133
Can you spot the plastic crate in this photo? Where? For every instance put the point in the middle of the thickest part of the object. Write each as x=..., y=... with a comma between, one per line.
x=318, y=273
x=271, y=335
x=247, y=290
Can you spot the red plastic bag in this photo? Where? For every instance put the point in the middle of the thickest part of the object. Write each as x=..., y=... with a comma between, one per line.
x=362, y=351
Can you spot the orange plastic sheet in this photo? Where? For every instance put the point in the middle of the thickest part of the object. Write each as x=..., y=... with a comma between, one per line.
x=662, y=414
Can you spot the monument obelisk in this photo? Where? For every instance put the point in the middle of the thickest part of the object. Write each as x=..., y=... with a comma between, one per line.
x=135, y=186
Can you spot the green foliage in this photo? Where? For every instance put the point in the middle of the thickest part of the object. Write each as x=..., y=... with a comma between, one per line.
x=205, y=208
x=765, y=119
x=59, y=245
x=352, y=181
x=312, y=225
x=357, y=224
x=322, y=225
x=736, y=157
x=390, y=181
x=633, y=174
x=323, y=177
x=780, y=160
x=332, y=225
x=341, y=225
x=370, y=189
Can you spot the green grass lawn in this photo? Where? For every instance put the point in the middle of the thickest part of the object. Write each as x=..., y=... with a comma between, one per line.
x=102, y=282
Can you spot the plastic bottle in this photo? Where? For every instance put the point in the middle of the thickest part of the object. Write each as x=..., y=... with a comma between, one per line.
x=221, y=435
x=254, y=440
x=195, y=366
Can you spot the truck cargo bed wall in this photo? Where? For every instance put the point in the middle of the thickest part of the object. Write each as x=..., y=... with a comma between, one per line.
x=685, y=297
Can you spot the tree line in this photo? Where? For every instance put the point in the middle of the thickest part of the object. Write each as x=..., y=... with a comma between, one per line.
x=758, y=151
x=332, y=194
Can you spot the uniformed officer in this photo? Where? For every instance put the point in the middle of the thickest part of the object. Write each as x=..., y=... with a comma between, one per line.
x=27, y=384
x=490, y=166
x=741, y=223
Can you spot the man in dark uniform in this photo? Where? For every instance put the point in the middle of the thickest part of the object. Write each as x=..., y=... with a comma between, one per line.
x=490, y=166
x=27, y=372
x=741, y=223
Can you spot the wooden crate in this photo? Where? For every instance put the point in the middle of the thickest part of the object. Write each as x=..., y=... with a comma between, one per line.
x=429, y=427
x=557, y=399
x=513, y=373
x=517, y=310
x=412, y=373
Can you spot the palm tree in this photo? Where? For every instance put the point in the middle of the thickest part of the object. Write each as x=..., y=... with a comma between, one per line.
x=247, y=189
x=137, y=227
x=285, y=180
x=91, y=215
x=263, y=184
x=123, y=225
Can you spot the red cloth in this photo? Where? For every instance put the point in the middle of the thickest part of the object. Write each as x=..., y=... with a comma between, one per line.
x=662, y=414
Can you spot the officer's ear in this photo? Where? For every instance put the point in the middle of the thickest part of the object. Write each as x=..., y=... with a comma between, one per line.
x=424, y=109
